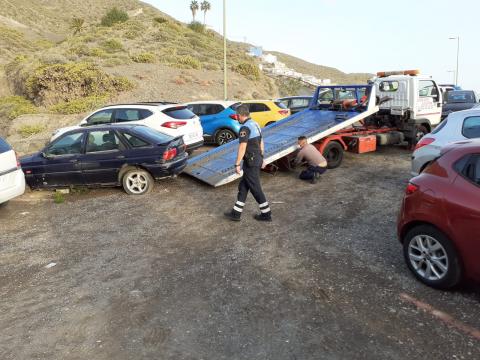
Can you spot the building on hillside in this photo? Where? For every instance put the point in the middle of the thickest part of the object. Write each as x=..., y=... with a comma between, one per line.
x=269, y=58
x=256, y=51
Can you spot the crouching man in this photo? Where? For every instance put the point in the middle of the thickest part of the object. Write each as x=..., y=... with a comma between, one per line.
x=316, y=163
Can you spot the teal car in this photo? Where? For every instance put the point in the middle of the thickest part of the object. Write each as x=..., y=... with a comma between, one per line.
x=218, y=119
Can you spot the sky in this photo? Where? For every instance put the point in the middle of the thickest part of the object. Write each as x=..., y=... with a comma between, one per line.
x=356, y=36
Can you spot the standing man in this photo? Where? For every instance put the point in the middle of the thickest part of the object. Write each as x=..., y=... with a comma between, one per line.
x=250, y=150
x=316, y=163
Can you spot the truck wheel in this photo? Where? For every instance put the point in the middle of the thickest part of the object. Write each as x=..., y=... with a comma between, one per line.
x=224, y=136
x=419, y=132
x=333, y=152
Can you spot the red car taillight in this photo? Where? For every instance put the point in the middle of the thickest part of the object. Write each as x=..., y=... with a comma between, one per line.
x=234, y=116
x=411, y=188
x=284, y=112
x=424, y=141
x=169, y=154
x=18, y=161
x=174, y=124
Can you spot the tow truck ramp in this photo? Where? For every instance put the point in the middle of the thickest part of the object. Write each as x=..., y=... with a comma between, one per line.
x=217, y=167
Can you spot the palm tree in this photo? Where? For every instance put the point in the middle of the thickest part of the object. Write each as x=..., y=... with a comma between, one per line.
x=205, y=6
x=194, y=8
x=77, y=25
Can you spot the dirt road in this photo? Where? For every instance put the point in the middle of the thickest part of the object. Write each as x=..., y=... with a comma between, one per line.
x=166, y=277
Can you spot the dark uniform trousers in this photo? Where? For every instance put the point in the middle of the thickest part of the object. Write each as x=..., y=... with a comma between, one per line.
x=251, y=182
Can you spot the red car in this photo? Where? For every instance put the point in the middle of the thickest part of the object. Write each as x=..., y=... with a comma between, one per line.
x=439, y=222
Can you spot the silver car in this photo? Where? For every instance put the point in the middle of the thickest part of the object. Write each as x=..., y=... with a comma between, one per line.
x=458, y=126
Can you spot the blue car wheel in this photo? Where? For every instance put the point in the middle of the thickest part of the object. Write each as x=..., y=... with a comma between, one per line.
x=224, y=136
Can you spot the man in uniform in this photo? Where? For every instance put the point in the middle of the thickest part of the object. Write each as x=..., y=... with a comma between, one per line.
x=316, y=163
x=250, y=150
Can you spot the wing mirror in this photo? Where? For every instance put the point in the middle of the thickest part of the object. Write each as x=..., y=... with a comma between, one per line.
x=46, y=155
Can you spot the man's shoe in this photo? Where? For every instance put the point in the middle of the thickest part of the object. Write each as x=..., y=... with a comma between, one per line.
x=263, y=217
x=232, y=215
x=314, y=180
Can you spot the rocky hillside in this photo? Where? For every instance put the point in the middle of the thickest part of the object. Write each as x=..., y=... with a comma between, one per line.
x=62, y=58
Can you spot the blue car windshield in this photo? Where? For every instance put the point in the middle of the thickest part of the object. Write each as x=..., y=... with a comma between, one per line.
x=460, y=97
x=153, y=136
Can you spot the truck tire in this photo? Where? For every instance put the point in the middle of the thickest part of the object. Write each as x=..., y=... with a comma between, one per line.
x=333, y=152
x=420, y=131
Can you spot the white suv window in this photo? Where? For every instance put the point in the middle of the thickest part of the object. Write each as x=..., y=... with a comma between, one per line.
x=101, y=117
x=126, y=115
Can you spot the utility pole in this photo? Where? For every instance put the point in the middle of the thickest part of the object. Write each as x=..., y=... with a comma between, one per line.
x=458, y=55
x=225, y=95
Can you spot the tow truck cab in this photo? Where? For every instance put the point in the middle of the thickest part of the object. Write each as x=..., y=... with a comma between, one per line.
x=410, y=102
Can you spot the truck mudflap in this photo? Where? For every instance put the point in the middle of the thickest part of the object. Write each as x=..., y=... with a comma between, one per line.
x=217, y=167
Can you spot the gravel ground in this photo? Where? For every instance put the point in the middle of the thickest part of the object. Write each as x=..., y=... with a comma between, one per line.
x=166, y=277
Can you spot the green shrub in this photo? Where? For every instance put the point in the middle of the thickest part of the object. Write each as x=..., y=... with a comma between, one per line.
x=97, y=52
x=114, y=16
x=78, y=106
x=212, y=67
x=58, y=197
x=29, y=130
x=143, y=58
x=189, y=62
x=112, y=45
x=160, y=20
x=249, y=70
x=12, y=107
x=51, y=84
x=197, y=27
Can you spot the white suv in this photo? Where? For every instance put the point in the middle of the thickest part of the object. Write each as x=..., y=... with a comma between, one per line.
x=171, y=119
x=458, y=126
x=12, y=179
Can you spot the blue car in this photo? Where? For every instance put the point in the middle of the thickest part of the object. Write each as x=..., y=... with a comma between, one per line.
x=218, y=120
x=131, y=156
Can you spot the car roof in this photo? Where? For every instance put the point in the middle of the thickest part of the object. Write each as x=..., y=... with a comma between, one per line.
x=255, y=101
x=108, y=127
x=475, y=111
x=225, y=103
x=465, y=146
x=296, y=97
x=141, y=105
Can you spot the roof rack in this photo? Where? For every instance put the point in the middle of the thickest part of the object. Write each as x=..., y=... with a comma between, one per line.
x=145, y=103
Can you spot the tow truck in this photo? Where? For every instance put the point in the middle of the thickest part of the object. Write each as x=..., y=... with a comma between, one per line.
x=392, y=108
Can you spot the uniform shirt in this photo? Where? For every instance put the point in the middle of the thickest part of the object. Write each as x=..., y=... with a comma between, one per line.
x=250, y=133
x=310, y=154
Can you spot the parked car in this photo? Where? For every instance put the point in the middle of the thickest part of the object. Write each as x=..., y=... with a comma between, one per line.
x=457, y=126
x=296, y=103
x=218, y=120
x=265, y=112
x=439, y=221
x=459, y=100
x=170, y=119
x=12, y=180
x=106, y=155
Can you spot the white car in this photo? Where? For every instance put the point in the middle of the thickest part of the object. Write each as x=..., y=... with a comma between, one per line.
x=12, y=179
x=171, y=119
x=458, y=126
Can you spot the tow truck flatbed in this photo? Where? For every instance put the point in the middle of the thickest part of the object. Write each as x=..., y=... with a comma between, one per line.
x=216, y=167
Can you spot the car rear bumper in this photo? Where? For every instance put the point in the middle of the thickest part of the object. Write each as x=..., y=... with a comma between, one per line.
x=16, y=190
x=169, y=169
x=195, y=145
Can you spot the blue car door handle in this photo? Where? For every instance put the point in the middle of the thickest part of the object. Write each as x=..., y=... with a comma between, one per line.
x=74, y=160
x=121, y=157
